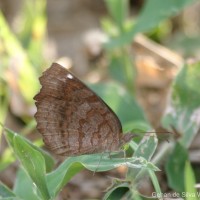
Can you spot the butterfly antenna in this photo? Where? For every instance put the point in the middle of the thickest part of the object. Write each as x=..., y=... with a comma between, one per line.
x=156, y=132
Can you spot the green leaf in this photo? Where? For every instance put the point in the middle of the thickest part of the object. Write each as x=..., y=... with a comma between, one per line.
x=186, y=87
x=4, y=102
x=6, y=193
x=118, y=10
x=183, y=115
x=175, y=169
x=6, y=159
x=116, y=68
x=57, y=179
x=48, y=158
x=155, y=181
x=137, y=127
x=190, y=182
x=145, y=149
x=31, y=159
x=117, y=192
x=121, y=102
x=33, y=28
x=33, y=162
x=24, y=186
x=189, y=129
x=153, y=12
x=106, y=162
x=121, y=68
x=26, y=73
x=95, y=162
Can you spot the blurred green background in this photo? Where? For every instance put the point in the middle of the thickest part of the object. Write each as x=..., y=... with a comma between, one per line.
x=95, y=39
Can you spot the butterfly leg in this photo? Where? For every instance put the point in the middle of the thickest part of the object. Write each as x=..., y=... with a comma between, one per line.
x=98, y=163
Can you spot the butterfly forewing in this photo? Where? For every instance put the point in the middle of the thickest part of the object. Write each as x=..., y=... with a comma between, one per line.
x=72, y=118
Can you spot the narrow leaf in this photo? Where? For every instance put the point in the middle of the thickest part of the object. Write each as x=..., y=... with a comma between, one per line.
x=175, y=169
x=118, y=10
x=190, y=183
x=33, y=162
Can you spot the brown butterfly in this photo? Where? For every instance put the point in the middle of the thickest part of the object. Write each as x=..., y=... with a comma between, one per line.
x=72, y=119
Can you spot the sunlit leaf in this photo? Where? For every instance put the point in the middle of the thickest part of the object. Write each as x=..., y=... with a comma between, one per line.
x=26, y=74
x=33, y=162
x=6, y=158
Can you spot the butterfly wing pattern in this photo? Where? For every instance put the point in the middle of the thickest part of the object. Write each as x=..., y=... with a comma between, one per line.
x=72, y=119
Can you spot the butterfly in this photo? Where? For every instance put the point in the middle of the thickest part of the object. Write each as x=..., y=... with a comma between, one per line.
x=72, y=119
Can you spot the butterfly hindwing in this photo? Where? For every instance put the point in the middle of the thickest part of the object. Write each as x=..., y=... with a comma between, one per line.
x=72, y=118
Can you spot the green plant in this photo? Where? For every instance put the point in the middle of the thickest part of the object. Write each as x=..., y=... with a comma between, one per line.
x=47, y=182
x=37, y=175
x=182, y=117
x=185, y=93
x=21, y=60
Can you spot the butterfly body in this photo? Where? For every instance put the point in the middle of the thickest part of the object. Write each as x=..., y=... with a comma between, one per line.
x=72, y=119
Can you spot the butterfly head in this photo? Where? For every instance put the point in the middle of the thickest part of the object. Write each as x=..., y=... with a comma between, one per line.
x=126, y=138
